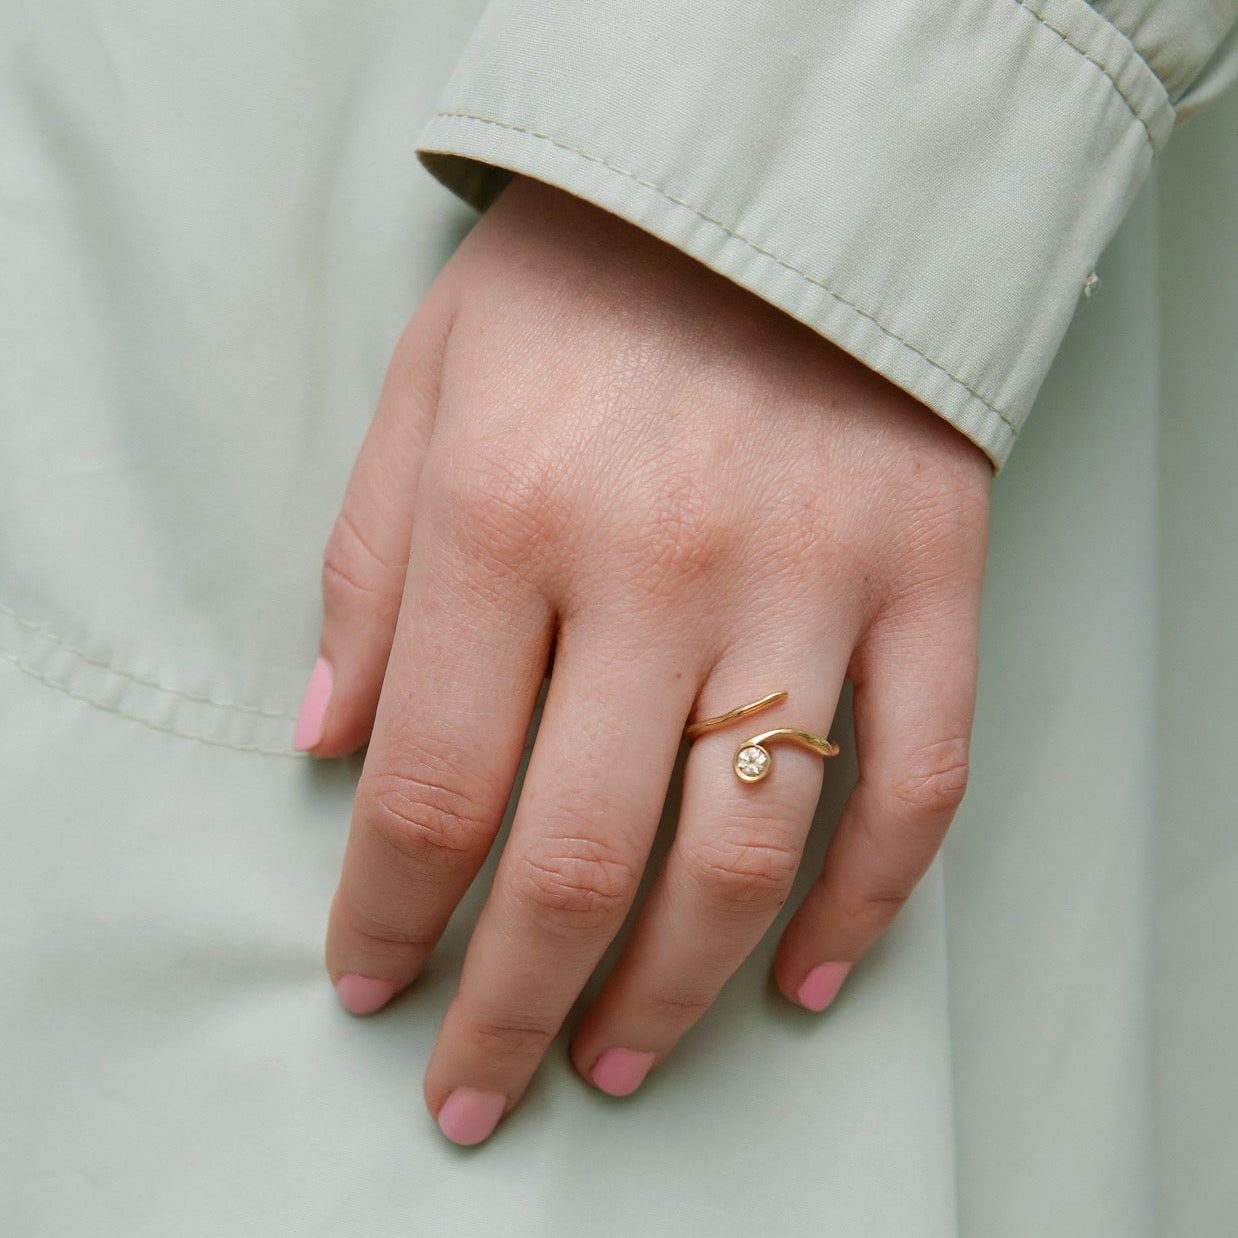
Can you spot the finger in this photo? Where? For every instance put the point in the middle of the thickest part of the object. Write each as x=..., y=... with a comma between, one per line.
x=466, y=667
x=588, y=813
x=367, y=553
x=913, y=702
x=728, y=872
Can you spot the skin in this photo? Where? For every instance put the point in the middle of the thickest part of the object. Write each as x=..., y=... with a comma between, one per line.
x=592, y=450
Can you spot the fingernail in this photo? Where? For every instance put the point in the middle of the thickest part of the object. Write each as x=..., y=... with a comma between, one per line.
x=821, y=985
x=469, y=1115
x=313, y=712
x=619, y=1072
x=361, y=995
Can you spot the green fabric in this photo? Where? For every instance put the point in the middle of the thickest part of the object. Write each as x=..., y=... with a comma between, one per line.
x=1176, y=37
x=929, y=186
x=214, y=227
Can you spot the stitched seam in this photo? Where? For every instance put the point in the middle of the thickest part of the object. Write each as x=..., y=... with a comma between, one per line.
x=1113, y=81
x=782, y=262
x=44, y=634
x=35, y=673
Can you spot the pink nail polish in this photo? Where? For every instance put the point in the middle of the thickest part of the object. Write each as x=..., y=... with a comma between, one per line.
x=821, y=985
x=469, y=1115
x=361, y=995
x=619, y=1072
x=313, y=711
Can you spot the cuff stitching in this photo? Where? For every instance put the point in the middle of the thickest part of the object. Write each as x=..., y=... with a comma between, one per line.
x=717, y=223
x=1105, y=70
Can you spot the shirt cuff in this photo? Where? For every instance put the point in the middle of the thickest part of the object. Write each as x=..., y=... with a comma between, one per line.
x=927, y=185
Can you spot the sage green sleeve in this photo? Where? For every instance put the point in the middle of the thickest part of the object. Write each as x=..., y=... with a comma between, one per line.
x=927, y=184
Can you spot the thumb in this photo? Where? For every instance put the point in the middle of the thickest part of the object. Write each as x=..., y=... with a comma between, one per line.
x=366, y=557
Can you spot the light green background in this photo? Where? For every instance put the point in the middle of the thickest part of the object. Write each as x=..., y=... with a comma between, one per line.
x=213, y=229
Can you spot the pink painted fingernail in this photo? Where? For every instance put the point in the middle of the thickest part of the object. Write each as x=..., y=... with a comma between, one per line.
x=469, y=1115
x=821, y=985
x=313, y=712
x=361, y=995
x=619, y=1072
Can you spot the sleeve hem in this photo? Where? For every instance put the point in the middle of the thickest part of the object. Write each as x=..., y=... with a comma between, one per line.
x=475, y=157
x=927, y=187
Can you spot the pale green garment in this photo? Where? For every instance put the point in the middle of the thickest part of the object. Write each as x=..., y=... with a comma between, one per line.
x=214, y=226
x=927, y=185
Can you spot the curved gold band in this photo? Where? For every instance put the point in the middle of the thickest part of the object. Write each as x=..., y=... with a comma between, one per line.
x=753, y=760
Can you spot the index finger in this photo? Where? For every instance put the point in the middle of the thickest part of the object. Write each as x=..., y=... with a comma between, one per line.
x=467, y=663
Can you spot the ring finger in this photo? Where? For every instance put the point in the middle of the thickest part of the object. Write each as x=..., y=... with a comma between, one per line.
x=729, y=870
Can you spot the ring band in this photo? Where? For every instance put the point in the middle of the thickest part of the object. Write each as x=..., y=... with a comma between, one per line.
x=753, y=760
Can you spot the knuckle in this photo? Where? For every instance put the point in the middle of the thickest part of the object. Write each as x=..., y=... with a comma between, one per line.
x=737, y=866
x=584, y=883
x=378, y=930
x=815, y=541
x=933, y=782
x=509, y=1038
x=673, y=1008
x=352, y=568
x=680, y=535
x=424, y=820
x=504, y=510
x=943, y=533
x=872, y=908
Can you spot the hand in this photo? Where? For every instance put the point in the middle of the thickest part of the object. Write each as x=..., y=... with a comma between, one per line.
x=590, y=443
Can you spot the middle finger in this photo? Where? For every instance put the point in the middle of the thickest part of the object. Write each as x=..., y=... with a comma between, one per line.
x=587, y=815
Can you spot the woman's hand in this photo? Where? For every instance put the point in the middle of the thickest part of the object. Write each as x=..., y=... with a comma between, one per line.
x=590, y=443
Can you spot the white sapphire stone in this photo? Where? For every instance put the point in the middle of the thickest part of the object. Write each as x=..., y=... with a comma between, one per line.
x=751, y=763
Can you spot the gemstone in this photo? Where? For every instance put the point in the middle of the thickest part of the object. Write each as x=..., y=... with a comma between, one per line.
x=751, y=763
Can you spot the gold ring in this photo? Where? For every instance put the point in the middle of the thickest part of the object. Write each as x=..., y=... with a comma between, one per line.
x=753, y=760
